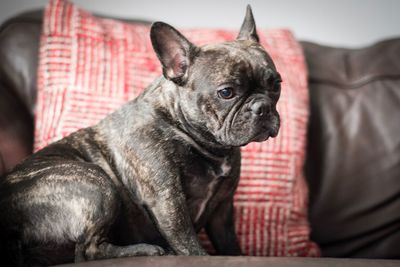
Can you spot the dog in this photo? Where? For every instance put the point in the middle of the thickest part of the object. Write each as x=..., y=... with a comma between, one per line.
x=149, y=176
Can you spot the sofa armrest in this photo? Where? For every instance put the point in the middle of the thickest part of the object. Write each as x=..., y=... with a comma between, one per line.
x=16, y=130
x=19, y=43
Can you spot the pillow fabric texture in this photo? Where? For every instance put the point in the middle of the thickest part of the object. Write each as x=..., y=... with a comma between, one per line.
x=90, y=66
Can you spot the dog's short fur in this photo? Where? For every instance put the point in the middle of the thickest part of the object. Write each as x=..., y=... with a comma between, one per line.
x=149, y=176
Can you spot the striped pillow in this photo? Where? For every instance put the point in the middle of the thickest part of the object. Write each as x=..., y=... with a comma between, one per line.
x=90, y=66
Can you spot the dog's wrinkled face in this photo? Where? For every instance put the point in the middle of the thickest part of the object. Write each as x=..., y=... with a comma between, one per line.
x=229, y=90
x=237, y=88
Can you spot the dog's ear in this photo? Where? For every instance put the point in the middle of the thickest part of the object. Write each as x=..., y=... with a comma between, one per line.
x=248, y=30
x=173, y=50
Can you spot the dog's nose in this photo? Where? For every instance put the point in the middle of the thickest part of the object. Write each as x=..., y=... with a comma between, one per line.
x=259, y=108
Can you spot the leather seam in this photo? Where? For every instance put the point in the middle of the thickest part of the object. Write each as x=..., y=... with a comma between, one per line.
x=357, y=84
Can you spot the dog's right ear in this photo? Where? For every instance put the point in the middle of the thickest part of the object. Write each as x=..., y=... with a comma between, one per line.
x=173, y=50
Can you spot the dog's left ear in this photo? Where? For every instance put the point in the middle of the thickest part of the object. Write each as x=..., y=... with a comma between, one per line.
x=248, y=30
x=173, y=50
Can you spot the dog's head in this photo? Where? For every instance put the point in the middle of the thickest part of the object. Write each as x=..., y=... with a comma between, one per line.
x=228, y=91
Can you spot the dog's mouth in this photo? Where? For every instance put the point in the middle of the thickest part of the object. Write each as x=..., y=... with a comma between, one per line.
x=261, y=137
x=244, y=128
x=265, y=133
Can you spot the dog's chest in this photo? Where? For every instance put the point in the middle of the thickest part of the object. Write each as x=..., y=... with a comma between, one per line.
x=202, y=184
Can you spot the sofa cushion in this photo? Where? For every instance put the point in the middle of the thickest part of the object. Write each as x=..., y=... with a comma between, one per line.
x=90, y=66
x=353, y=161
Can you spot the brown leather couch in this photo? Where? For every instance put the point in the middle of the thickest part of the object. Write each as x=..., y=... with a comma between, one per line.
x=353, y=153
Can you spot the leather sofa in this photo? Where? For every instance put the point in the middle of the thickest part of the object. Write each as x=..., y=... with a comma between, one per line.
x=353, y=152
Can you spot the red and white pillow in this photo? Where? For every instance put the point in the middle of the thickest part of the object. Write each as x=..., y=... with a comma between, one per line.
x=90, y=66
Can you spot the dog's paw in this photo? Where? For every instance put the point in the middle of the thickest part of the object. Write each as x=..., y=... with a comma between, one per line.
x=149, y=250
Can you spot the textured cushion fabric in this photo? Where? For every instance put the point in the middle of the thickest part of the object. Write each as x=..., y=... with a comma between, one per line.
x=90, y=66
x=353, y=164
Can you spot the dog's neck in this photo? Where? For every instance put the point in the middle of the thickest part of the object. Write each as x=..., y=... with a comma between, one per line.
x=169, y=95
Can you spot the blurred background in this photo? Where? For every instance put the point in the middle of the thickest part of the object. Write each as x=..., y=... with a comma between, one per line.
x=345, y=23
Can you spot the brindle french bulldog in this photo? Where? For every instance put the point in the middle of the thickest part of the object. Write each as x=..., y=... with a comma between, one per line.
x=149, y=176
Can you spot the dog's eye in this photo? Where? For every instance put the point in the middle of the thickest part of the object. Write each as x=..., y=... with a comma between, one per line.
x=226, y=93
x=276, y=85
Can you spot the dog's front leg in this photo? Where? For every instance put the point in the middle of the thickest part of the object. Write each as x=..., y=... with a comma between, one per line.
x=221, y=226
x=221, y=230
x=167, y=205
